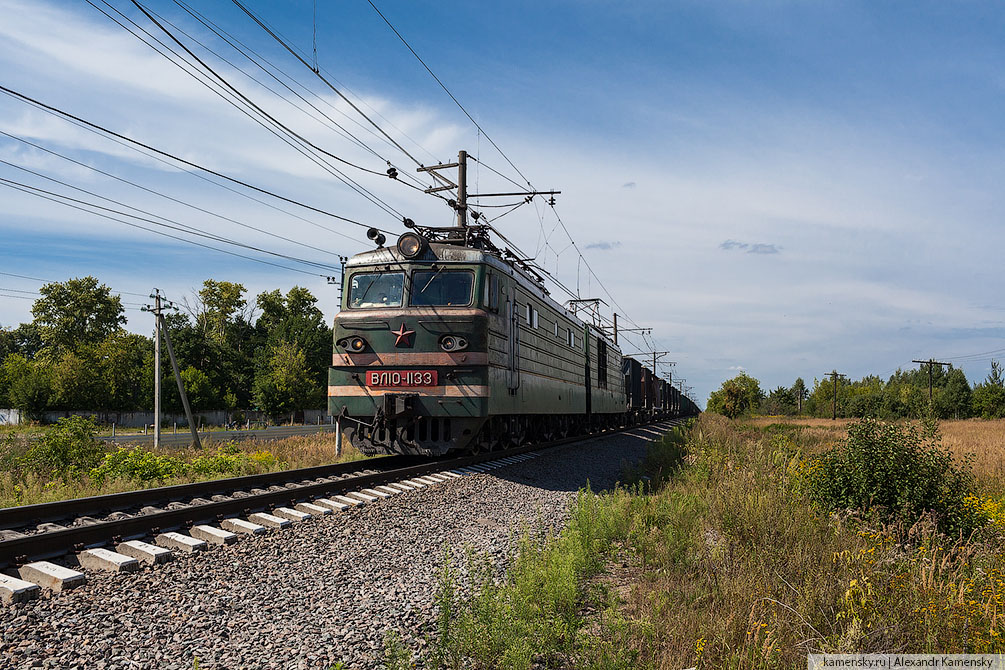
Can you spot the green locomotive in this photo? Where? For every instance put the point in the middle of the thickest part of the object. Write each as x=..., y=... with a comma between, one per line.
x=445, y=343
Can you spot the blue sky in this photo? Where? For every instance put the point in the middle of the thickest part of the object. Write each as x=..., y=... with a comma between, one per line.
x=778, y=187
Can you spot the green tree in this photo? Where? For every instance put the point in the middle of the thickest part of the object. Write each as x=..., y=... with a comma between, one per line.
x=219, y=306
x=27, y=340
x=800, y=393
x=283, y=384
x=736, y=396
x=954, y=399
x=780, y=401
x=76, y=312
x=76, y=381
x=202, y=395
x=125, y=363
x=29, y=385
x=988, y=399
x=295, y=319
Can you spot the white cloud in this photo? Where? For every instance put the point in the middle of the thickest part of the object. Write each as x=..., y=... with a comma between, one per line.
x=885, y=245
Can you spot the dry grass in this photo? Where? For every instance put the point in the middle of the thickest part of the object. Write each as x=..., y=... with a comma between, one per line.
x=981, y=441
x=728, y=564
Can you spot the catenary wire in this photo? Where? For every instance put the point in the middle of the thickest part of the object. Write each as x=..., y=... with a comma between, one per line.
x=447, y=91
x=60, y=112
x=168, y=197
x=284, y=133
x=258, y=59
x=63, y=200
x=171, y=224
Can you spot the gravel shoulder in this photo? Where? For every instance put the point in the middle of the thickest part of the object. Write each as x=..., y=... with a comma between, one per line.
x=324, y=591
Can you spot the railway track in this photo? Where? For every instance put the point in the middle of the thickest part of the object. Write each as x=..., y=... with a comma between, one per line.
x=213, y=512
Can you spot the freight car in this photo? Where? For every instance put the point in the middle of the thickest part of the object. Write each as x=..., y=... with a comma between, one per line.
x=444, y=343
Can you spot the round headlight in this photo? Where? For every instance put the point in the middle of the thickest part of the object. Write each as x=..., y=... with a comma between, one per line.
x=411, y=245
x=356, y=344
x=453, y=343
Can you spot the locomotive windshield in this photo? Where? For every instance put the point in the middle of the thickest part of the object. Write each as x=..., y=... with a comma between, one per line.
x=376, y=289
x=442, y=289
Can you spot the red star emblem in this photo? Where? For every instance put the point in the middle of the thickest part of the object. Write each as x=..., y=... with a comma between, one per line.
x=403, y=335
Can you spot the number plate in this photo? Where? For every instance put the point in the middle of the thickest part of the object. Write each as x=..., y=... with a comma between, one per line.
x=398, y=378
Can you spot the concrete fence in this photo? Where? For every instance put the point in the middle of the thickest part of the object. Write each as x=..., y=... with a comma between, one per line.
x=218, y=417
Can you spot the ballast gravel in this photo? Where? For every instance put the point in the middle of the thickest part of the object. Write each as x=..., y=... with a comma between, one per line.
x=321, y=592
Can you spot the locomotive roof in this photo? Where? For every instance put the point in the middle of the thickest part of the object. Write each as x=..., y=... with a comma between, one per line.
x=463, y=255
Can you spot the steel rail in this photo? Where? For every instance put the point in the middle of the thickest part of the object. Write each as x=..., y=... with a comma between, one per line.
x=51, y=544
x=26, y=515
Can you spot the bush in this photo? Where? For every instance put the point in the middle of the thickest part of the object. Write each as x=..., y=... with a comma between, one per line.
x=896, y=471
x=68, y=448
x=139, y=464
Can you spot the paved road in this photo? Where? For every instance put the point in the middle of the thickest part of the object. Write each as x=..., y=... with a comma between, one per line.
x=184, y=438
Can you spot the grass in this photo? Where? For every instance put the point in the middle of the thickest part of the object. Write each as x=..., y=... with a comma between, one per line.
x=726, y=562
x=24, y=485
x=979, y=440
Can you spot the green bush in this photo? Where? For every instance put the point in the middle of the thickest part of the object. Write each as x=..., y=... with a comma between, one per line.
x=228, y=460
x=897, y=471
x=137, y=463
x=68, y=448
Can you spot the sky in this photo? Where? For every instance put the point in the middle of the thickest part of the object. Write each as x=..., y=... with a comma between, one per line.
x=781, y=188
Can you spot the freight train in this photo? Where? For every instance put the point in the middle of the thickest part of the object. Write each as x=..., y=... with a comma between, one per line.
x=445, y=343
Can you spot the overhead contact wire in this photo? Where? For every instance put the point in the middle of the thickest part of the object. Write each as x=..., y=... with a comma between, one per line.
x=60, y=112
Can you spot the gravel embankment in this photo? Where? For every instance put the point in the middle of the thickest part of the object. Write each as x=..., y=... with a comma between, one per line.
x=324, y=591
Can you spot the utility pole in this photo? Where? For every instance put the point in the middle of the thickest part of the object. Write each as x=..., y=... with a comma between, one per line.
x=157, y=368
x=161, y=325
x=461, y=203
x=834, y=374
x=656, y=356
x=930, y=363
x=627, y=330
x=462, y=188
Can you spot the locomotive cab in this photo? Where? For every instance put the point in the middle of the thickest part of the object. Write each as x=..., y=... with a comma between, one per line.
x=410, y=363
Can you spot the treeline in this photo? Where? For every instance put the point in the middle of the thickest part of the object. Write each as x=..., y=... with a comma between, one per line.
x=75, y=353
x=903, y=395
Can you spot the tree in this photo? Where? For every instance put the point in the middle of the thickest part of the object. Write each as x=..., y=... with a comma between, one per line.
x=219, y=341
x=988, y=399
x=200, y=391
x=800, y=393
x=76, y=312
x=736, y=396
x=283, y=384
x=125, y=363
x=76, y=381
x=295, y=319
x=780, y=401
x=218, y=306
x=29, y=385
x=954, y=399
x=27, y=340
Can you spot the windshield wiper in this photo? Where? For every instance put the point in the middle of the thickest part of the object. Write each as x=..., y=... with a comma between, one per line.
x=435, y=274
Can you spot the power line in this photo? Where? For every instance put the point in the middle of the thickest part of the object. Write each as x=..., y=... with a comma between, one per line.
x=53, y=281
x=318, y=74
x=53, y=197
x=447, y=91
x=171, y=223
x=60, y=112
x=258, y=59
x=240, y=97
x=162, y=195
x=194, y=173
